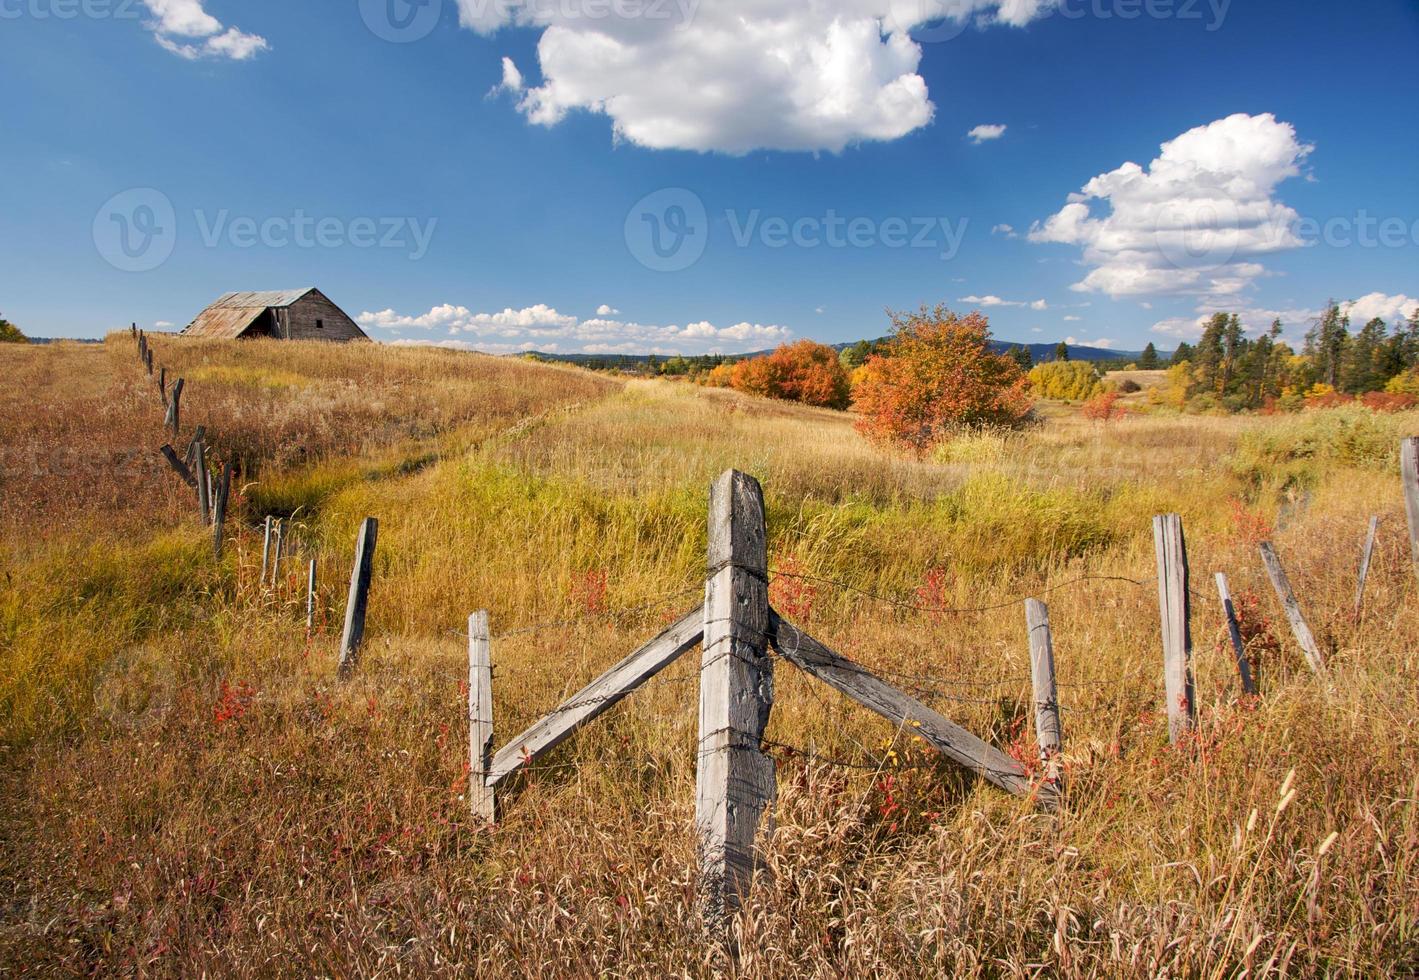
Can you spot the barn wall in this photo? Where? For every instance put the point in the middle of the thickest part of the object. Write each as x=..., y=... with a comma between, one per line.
x=300, y=319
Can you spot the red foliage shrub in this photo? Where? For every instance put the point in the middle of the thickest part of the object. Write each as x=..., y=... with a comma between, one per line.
x=589, y=592
x=1104, y=408
x=1249, y=527
x=939, y=374
x=1384, y=401
x=805, y=371
x=790, y=595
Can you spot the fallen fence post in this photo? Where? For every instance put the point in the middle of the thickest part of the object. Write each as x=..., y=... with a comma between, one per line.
x=1366, y=554
x=1048, y=729
x=481, y=796
x=1287, y=595
x=1175, y=613
x=204, y=485
x=266, y=552
x=174, y=416
x=1409, y=474
x=734, y=779
x=359, y=596
x=178, y=466
x=219, y=510
x=310, y=599
x=598, y=697
x=948, y=738
x=1234, y=630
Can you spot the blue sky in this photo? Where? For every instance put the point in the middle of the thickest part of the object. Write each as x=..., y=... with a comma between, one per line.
x=696, y=175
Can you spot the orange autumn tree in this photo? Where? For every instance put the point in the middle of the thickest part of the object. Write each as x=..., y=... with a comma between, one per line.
x=805, y=371
x=938, y=375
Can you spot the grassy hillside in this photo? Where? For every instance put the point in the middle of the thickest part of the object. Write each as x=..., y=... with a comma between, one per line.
x=187, y=788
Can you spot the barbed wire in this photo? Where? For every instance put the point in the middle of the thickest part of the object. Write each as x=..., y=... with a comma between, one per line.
x=964, y=610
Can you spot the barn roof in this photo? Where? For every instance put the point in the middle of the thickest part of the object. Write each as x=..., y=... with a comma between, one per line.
x=259, y=300
x=232, y=313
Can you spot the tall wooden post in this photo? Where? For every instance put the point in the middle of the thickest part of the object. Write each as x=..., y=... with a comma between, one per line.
x=359, y=596
x=204, y=485
x=174, y=416
x=219, y=510
x=1239, y=649
x=1175, y=612
x=276, y=552
x=1409, y=475
x=266, y=553
x=480, y=718
x=1048, y=728
x=734, y=780
x=310, y=599
x=163, y=385
x=1299, y=627
x=1366, y=554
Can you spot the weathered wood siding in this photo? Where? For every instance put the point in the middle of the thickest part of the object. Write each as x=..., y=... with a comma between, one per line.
x=299, y=320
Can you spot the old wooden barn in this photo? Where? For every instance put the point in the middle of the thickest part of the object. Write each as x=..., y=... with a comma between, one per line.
x=291, y=314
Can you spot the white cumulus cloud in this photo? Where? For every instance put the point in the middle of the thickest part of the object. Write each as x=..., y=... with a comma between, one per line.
x=992, y=300
x=986, y=131
x=1104, y=342
x=1391, y=309
x=1195, y=221
x=733, y=76
x=541, y=327
x=1007, y=230
x=186, y=29
x=606, y=310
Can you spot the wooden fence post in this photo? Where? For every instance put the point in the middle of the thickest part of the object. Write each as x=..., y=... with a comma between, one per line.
x=1409, y=475
x=163, y=385
x=266, y=552
x=1366, y=555
x=204, y=485
x=1048, y=728
x=178, y=466
x=219, y=510
x=734, y=780
x=481, y=796
x=310, y=599
x=199, y=437
x=1175, y=610
x=359, y=596
x=1229, y=609
x=173, y=420
x=276, y=552
x=1287, y=595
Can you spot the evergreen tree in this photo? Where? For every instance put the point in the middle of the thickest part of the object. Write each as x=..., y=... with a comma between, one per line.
x=1149, y=360
x=1183, y=354
x=1326, y=343
x=1061, y=351
x=1020, y=354
x=1364, y=365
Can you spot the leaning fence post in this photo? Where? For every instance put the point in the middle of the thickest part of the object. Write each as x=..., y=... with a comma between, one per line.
x=359, y=596
x=1365, y=556
x=1409, y=474
x=1175, y=609
x=734, y=780
x=1287, y=595
x=481, y=796
x=1048, y=728
x=1234, y=630
x=163, y=385
x=178, y=466
x=219, y=509
x=310, y=599
x=174, y=404
x=204, y=485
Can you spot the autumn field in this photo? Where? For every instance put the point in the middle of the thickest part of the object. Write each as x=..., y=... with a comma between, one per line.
x=189, y=789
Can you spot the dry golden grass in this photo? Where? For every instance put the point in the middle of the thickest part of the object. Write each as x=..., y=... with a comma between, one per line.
x=188, y=789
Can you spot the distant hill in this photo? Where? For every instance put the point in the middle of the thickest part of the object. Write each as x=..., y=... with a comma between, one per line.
x=1038, y=353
